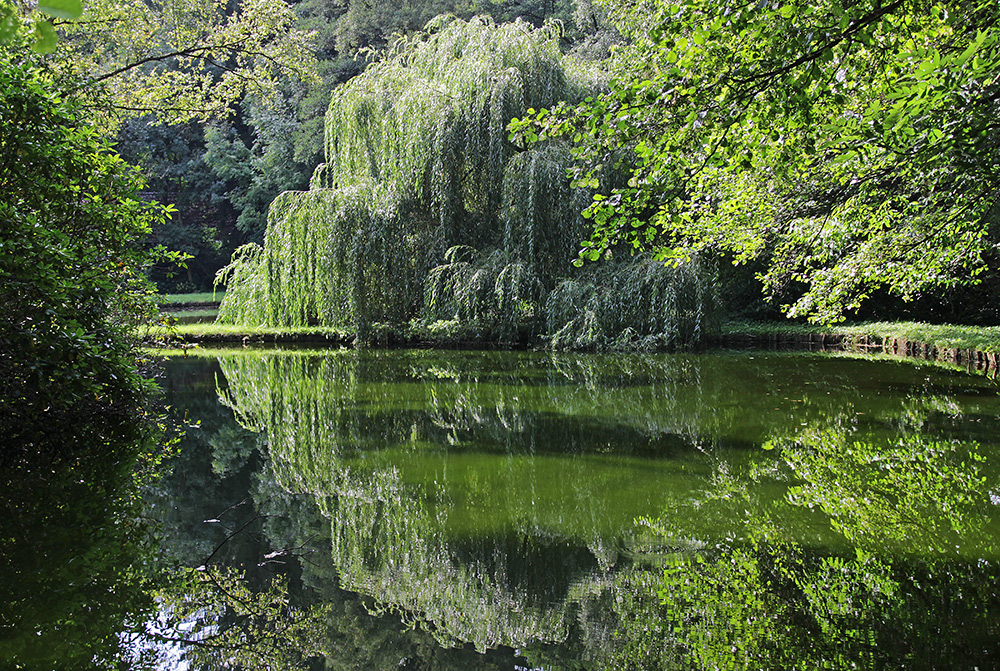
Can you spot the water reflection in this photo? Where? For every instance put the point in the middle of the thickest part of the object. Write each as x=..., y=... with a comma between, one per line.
x=911, y=582
x=798, y=511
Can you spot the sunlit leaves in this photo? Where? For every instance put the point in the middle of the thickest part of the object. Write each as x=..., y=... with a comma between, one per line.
x=61, y=9
x=183, y=60
x=837, y=110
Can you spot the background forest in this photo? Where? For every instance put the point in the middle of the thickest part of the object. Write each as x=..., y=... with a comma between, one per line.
x=222, y=175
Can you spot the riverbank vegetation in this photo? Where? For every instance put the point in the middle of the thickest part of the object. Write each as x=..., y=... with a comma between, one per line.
x=939, y=336
x=81, y=425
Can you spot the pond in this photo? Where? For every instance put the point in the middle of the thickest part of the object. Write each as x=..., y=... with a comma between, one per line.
x=514, y=510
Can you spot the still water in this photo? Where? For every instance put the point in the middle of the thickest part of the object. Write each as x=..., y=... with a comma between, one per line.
x=512, y=510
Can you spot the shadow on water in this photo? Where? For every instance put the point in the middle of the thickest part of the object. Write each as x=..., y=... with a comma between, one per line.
x=403, y=509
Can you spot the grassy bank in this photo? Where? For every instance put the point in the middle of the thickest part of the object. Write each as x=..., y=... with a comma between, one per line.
x=167, y=300
x=938, y=336
x=210, y=332
x=876, y=334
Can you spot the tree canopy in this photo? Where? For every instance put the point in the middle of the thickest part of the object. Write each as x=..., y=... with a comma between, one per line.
x=425, y=212
x=180, y=60
x=850, y=146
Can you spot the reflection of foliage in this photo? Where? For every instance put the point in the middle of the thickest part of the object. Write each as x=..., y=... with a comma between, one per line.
x=352, y=638
x=913, y=493
x=223, y=623
x=233, y=607
x=739, y=635
x=232, y=448
x=768, y=604
x=335, y=426
x=759, y=600
x=387, y=545
x=74, y=567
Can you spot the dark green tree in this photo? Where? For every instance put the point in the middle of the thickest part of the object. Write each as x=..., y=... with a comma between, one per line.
x=204, y=224
x=77, y=418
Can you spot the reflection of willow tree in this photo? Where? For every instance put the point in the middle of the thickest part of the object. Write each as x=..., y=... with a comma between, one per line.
x=402, y=450
x=320, y=415
x=532, y=403
x=914, y=584
x=426, y=212
x=482, y=446
x=511, y=430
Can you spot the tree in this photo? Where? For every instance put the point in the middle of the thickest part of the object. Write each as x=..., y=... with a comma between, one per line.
x=254, y=175
x=78, y=421
x=179, y=60
x=72, y=285
x=848, y=145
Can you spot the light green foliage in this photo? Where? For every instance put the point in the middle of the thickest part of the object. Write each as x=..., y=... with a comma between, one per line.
x=441, y=103
x=181, y=60
x=419, y=163
x=416, y=150
x=845, y=144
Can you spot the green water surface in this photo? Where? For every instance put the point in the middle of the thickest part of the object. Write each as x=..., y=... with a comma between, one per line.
x=534, y=510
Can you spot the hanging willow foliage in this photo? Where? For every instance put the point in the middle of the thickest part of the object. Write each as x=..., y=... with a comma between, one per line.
x=640, y=305
x=424, y=211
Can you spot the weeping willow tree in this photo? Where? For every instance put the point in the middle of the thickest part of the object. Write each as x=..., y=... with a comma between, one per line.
x=425, y=213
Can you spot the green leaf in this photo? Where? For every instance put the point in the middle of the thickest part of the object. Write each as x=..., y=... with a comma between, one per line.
x=45, y=38
x=61, y=9
x=9, y=22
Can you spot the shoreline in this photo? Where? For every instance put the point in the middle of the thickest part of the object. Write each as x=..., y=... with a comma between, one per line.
x=977, y=349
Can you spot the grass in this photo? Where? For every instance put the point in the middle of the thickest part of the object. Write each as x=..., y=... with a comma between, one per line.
x=210, y=331
x=941, y=336
x=207, y=312
x=180, y=299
